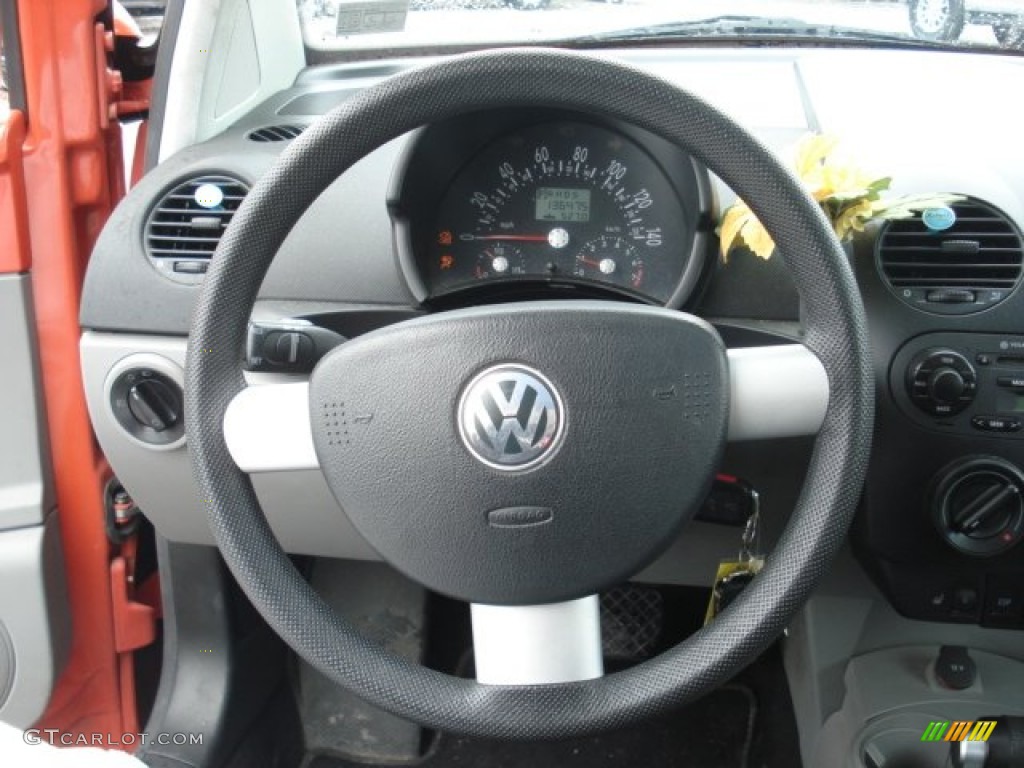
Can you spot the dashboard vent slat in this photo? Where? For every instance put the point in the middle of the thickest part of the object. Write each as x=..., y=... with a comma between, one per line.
x=181, y=228
x=275, y=133
x=982, y=250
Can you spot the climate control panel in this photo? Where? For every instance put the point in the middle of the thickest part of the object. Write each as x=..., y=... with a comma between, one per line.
x=967, y=383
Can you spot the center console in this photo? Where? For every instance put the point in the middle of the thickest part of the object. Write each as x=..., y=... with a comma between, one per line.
x=942, y=514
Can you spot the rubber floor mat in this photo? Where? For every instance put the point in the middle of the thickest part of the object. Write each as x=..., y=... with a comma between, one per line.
x=714, y=732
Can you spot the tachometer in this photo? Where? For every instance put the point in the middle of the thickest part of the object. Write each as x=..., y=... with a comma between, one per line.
x=611, y=258
x=568, y=202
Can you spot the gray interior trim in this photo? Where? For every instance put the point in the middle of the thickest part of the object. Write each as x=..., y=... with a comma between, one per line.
x=211, y=92
x=891, y=697
x=34, y=613
x=187, y=72
x=161, y=79
x=849, y=618
x=25, y=481
x=8, y=664
x=216, y=695
x=302, y=511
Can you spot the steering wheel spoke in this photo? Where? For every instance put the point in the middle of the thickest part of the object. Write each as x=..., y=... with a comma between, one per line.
x=267, y=428
x=537, y=644
x=779, y=391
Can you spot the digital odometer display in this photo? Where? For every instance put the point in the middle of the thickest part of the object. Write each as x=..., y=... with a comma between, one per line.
x=560, y=202
x=555, y=204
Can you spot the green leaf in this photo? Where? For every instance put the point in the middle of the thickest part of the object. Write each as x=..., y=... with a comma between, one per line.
x=880, y=185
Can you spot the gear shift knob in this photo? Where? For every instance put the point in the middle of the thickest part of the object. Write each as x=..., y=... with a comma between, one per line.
x=1003, y=749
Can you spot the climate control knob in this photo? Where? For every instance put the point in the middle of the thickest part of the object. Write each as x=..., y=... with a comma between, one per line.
x=978, y=505
x=941, y=382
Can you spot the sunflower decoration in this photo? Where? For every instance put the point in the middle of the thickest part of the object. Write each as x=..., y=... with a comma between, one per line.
x=849, y=197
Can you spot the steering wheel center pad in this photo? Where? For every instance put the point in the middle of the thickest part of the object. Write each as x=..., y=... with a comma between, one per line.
x=625, y=449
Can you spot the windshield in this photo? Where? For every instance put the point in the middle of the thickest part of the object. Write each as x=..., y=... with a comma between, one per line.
x=354, y=28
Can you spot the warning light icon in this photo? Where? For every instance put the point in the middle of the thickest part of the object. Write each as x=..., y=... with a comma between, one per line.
x=447, y=261
x=444, y=237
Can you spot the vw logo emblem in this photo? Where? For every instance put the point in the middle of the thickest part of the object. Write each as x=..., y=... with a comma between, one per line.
x=510, y=417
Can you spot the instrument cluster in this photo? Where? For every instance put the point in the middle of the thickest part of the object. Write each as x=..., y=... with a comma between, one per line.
x=555, y=203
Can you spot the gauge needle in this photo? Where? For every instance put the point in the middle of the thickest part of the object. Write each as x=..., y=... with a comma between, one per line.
x=589, y=262
x=514, y=238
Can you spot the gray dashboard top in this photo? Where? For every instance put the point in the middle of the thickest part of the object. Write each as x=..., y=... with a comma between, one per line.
x=884, y=104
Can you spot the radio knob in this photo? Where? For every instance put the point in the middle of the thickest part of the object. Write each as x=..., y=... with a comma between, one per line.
x=941, y=382
x=945, y=385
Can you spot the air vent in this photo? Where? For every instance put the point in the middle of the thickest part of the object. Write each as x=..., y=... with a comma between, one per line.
x=275, y=133
x=186, y=225
x=968, y=267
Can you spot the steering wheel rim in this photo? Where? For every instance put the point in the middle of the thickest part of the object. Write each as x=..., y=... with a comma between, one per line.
x=835, y=332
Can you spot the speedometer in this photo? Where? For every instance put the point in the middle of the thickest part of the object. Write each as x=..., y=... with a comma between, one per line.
x=564, y=202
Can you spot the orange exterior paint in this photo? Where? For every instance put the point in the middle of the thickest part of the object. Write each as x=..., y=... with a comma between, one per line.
x=139, y=158
x=72, y=177
x=14, y=249
x=134, y=627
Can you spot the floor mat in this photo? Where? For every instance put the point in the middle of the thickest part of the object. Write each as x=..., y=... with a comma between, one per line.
x=388, y=609
x=714, y=732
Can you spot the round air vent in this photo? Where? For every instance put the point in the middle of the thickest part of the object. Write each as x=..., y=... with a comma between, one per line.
x=185, y=226
x=275, y=133
x=970, y=265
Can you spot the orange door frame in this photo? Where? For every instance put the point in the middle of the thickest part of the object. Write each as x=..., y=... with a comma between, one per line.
x=71, y=162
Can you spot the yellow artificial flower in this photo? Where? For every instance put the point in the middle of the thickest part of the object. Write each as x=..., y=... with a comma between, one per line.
x=811, y=152
x=732, y=223
x=757, y=238
x=848, y=196
x=739, y=221
x=845, y=182
x=853, y=218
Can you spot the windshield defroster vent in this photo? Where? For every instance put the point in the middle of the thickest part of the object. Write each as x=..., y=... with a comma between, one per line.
x=185, y=227
x=967, y=267
x=275, y=133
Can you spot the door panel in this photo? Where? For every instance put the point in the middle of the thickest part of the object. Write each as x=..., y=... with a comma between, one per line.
x=71, y=158
x=34, y=626
x=25, y=483
x=34, y=617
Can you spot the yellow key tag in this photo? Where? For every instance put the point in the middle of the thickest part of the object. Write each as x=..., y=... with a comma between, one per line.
x=732, y=577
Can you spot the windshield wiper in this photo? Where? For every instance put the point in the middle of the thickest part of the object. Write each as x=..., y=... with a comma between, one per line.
x=745, y=27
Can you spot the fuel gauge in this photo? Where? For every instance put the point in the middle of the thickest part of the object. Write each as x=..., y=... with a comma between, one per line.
x=499, y=260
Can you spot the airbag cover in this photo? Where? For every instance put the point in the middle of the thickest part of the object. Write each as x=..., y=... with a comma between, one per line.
x=526, y=453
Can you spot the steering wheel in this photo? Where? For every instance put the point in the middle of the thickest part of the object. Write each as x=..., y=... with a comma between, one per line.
x=522, y=457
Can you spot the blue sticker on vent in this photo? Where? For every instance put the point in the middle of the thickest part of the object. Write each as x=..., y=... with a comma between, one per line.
x=208, y=196
x=939, y=218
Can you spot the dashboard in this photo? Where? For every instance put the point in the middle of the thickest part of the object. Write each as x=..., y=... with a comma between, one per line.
x=542, y=203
